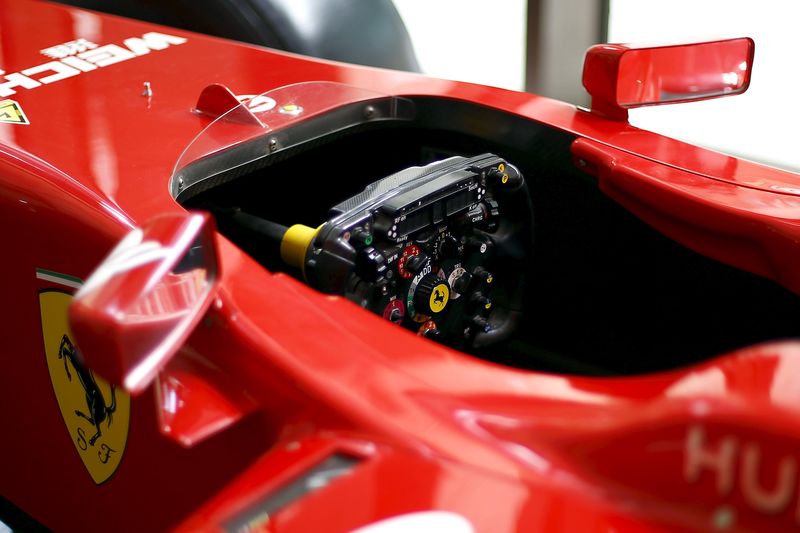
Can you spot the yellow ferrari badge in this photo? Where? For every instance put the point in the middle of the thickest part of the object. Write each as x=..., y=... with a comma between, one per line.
x=439, y=297
x=96, y=414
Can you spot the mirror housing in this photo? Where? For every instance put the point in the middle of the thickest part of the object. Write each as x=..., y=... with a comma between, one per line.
x=620, y=77
x=141, y=303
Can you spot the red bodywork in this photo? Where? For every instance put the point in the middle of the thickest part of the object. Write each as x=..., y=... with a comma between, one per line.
x=287, y=385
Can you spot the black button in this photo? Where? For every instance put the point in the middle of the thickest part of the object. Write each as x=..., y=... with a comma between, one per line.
x=461, y=283
x=449, y=248
x=370, y=264
x=415, y=263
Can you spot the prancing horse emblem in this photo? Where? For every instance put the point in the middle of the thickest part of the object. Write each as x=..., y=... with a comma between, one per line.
x=95, y=413
x=95, y=403
x=438, y=297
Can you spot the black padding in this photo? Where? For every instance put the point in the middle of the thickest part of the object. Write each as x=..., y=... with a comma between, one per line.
x=366, y=32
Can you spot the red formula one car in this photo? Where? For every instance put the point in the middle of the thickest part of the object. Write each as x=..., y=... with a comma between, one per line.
x=251, y=291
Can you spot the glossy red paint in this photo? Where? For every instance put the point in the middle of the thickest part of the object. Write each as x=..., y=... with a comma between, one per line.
x=268, y=383
x=751, y=229
x=217, y=100
x=619, y=77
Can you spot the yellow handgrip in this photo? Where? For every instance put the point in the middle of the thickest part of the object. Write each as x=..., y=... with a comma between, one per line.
x=295, y=243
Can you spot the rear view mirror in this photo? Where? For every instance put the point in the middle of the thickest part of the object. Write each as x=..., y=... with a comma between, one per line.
x=142, y=302
x=619, y=77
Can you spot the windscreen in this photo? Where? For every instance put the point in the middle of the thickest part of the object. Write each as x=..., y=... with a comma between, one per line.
x=276, y=121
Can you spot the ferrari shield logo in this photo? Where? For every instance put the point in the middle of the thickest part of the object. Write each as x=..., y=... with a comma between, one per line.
x=96, y=414
x=11, y=113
